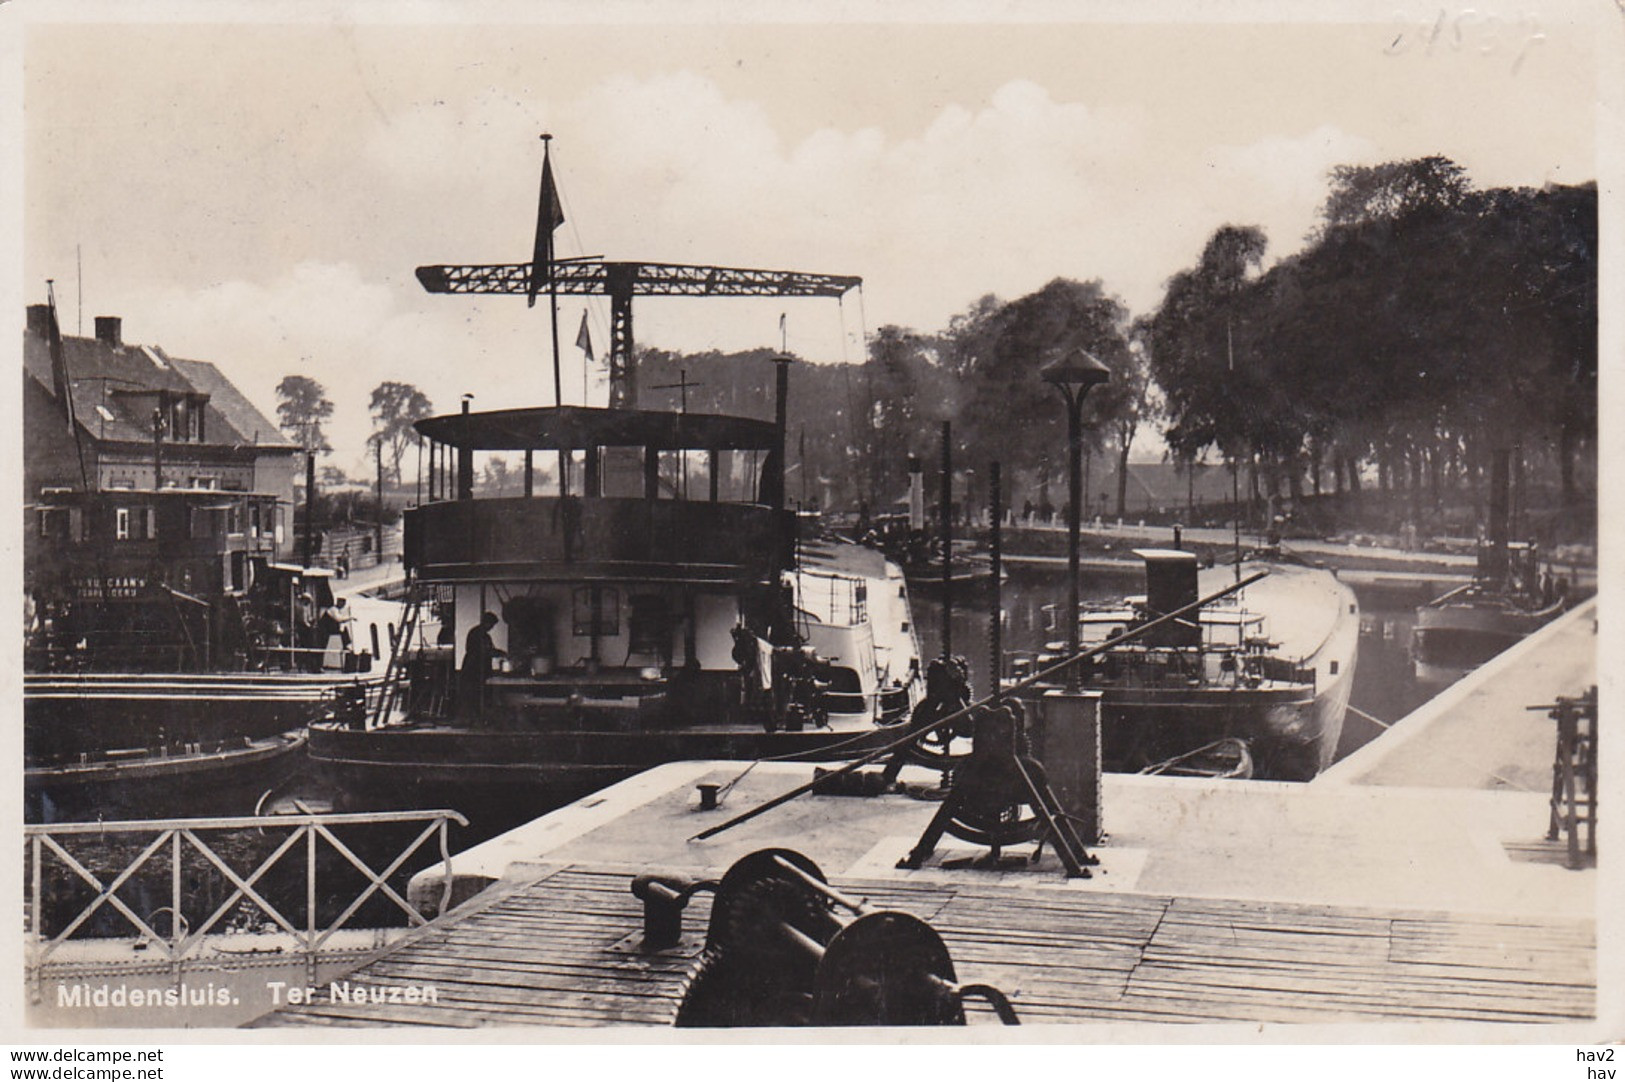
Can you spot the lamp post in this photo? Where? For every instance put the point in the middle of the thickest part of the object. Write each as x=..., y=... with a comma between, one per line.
x=1073, y=374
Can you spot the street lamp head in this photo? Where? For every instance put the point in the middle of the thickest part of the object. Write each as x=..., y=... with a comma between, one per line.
x=1075, y=370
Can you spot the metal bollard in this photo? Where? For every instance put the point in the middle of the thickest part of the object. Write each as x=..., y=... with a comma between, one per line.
x=664, y=898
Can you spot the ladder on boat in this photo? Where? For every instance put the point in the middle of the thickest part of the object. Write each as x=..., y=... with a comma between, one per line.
x=389, y=690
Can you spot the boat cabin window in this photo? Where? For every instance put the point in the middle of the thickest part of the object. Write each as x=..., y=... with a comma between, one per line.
x=206, y=522
x=649, y=625
x=57, y=522
x=596, y=611
x=135, y=524
x=671, y=482
x=739, y=476
x=530, y=634
x=241, y=572
x=620, y=473
x=843, y=679
x=572, y=469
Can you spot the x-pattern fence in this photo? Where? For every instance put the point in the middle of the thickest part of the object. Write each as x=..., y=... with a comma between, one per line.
x=47, y=841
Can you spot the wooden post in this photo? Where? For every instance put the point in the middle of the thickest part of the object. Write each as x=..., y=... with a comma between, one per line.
x=995, y=671
x=175, y=892
x=945, y=525
x=310, y=507
x=378, y=517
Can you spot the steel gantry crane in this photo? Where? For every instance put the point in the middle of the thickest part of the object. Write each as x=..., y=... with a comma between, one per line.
x=620, y=281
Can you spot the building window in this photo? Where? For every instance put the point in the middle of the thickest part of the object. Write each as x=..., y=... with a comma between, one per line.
x=121, y=523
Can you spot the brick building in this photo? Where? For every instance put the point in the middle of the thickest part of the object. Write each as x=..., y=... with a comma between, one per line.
x=146, y=421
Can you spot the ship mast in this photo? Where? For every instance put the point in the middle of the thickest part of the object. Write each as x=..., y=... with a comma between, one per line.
x=549, y=216
x=620, y=281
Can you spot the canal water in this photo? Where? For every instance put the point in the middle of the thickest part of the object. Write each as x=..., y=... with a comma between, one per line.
x=1385, y=683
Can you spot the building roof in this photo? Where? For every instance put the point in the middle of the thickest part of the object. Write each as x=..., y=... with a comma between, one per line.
x=225, y=398
x=104, y=377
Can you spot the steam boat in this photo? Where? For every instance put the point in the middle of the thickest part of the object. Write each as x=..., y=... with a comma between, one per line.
x=1508, y=598
x=652, y=606
x=1256, y=685
x=164, y=643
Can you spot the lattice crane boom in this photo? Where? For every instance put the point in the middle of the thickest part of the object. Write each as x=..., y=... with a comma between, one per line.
x=621, y=281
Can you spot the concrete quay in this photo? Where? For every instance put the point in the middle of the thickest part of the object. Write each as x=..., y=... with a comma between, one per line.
x=1479, y=733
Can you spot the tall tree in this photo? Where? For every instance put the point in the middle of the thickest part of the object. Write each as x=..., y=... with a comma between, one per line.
x=395, y=409
x=1212, y=397
x=1394, y=190
x=302, y=408
x=999, y=350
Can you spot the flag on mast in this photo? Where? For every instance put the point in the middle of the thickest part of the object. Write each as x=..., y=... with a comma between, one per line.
x=584, y=337
x=549, y=216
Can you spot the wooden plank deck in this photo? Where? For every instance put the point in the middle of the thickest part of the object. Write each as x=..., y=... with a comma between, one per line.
x=540, y=955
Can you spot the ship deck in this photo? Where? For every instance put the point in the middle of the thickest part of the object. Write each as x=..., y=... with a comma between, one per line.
x=1304, y=606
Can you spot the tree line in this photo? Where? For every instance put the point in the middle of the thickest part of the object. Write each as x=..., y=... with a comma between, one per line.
x=1424, y=326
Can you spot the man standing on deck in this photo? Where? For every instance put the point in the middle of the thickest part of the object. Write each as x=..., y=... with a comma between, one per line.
x=478, y=650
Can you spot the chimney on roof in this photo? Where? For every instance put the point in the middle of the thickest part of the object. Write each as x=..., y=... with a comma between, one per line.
x=39, y=320
x=110, y=330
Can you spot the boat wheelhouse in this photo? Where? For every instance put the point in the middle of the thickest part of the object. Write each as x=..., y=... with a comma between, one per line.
x=637, y=599
x=643, y=548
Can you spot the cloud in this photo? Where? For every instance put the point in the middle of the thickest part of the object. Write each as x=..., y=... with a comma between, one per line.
x=1282, y=180
x=302, y=263
x=999, y=198
x=329, y=322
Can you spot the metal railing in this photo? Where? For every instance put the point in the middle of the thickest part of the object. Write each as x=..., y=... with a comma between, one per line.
x=46, y=844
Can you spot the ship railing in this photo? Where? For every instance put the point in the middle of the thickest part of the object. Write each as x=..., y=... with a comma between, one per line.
x=175, y=841
x=1282, y=670
x=165, y=658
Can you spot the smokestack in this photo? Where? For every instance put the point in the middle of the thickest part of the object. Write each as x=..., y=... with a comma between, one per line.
x=39, y=320
x=916, y=493
x=110, y=330
x=773, y=482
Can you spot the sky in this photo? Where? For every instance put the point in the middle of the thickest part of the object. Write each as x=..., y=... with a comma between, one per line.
x=257, y=193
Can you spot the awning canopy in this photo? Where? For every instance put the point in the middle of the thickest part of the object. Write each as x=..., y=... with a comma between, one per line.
x=574, y=427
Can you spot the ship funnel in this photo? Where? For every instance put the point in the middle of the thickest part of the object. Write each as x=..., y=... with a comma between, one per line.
x=1170, y=584
x=916, y=494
